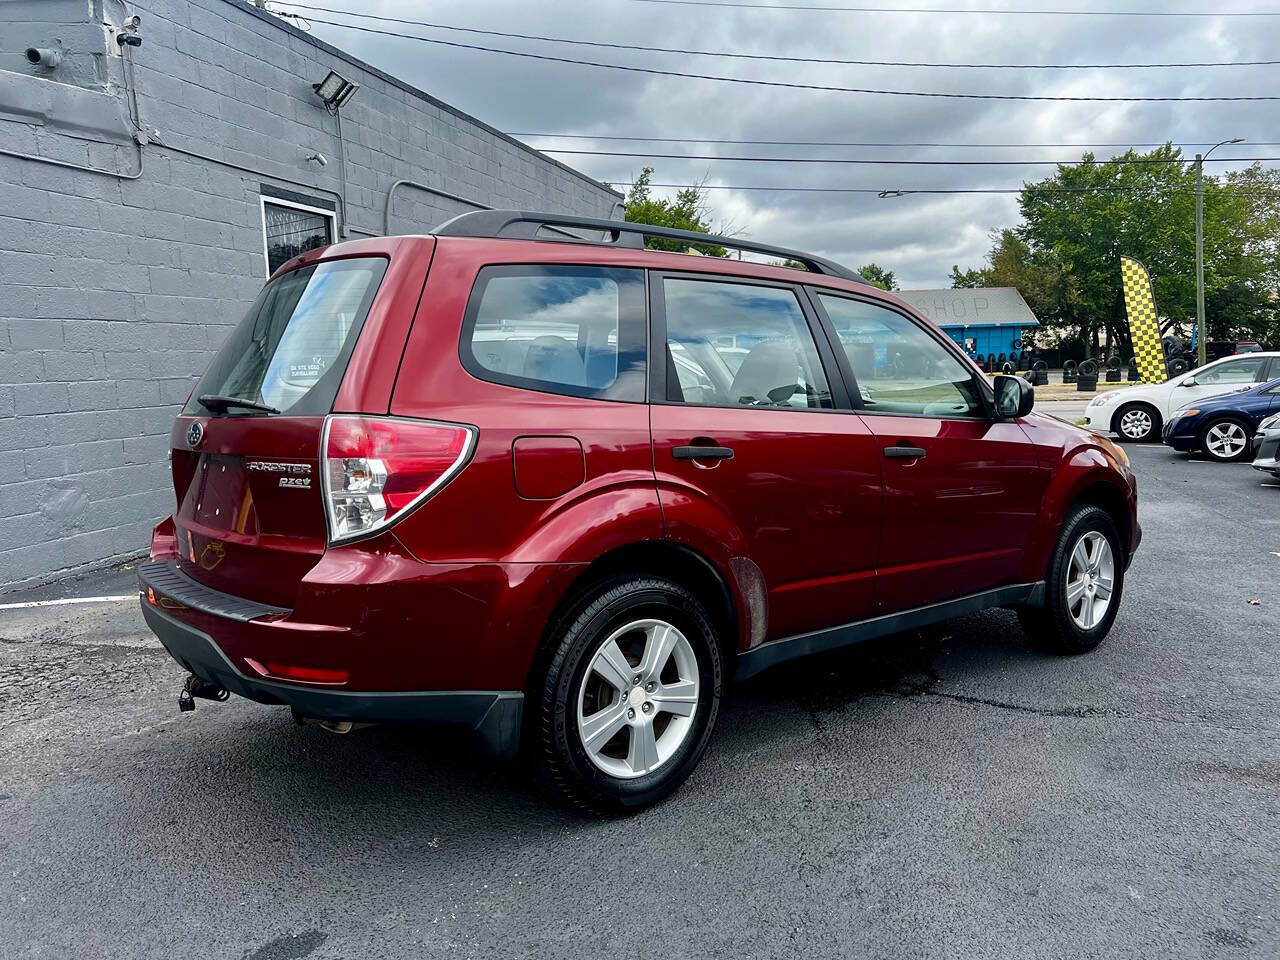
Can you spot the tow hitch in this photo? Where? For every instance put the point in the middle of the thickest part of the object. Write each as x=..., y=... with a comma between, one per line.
x=195, y=687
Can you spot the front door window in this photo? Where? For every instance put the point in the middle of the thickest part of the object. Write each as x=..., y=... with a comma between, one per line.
x=900, y=368
x=1239, y=372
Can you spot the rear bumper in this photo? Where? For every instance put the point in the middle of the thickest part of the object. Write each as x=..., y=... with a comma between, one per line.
x=493, y=716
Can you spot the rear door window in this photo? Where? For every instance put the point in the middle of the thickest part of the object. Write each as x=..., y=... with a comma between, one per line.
x=737, y=344
x=565, y=329
x=292, y=347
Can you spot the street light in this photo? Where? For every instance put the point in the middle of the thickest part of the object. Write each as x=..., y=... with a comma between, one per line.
x=1200, y=335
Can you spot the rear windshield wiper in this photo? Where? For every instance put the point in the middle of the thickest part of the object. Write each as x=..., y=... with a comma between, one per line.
x=220, y=404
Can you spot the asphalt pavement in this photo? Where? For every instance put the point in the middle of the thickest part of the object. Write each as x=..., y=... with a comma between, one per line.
x=948, y=793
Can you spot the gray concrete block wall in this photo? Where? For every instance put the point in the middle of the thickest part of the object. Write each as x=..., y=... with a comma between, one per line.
x=115, y=292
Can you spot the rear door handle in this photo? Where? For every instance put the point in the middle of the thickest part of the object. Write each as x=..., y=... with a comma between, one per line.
x=702, y=453
x=905, y=453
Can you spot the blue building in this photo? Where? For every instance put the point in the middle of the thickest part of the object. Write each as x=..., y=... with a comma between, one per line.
x=993, y=324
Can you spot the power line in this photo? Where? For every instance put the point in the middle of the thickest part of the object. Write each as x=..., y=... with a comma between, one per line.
x=812, y=8
x=905, y=192
x=908, y=163
x=777, y=57
x=654, y=71
x=847, y=143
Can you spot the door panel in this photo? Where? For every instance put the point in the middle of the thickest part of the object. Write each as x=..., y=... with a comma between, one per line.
x=962, y=493
x=959, y=519
x=803, y=492
x=778, y=473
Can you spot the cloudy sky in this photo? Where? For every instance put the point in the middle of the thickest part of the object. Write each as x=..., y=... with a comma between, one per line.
x=919, y=237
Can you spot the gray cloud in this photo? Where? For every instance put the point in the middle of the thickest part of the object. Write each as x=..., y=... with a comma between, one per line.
x=919, y=237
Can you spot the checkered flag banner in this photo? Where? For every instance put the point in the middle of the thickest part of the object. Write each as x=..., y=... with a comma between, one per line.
x=1144, y=327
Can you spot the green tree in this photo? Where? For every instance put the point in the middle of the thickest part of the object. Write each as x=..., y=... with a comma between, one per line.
x=1036, y=274
x=878, y=276
x=688, y=211
x=1064, y=257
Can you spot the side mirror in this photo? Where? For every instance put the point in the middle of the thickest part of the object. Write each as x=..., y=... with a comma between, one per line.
x=1014, y=397
x=1189, y=382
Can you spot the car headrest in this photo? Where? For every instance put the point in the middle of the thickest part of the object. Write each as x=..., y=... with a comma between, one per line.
x=766, y=373
x=556, y=360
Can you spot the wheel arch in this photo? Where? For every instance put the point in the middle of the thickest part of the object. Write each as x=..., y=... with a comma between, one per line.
x=1087, y=476
x=716, y=587
x=1110, y=498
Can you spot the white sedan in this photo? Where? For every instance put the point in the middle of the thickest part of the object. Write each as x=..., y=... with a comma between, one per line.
x=1138, y=414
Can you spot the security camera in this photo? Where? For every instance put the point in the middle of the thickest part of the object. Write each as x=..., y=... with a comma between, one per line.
x=319, y=158
x=44, y=57
x=128, y=35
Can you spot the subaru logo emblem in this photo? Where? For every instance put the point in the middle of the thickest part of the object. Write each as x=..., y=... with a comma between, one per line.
x=195, y=433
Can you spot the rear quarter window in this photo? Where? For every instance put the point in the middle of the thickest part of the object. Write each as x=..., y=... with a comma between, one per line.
x=292, y=347
x=577, y=331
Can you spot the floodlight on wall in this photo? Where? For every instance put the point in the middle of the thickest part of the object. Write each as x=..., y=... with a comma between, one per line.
x=335, y=90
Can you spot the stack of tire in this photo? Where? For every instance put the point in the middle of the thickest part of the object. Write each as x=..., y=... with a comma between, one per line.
x=1039, y=374
x=1113, y=369
x=1176, y=361
x=1087, y=376
x=1069, y=372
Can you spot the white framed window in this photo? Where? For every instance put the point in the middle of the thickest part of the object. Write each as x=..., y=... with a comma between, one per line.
x=290, y=228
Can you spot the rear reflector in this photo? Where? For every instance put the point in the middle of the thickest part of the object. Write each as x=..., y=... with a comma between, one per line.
x=377, y=469
x=288, y=671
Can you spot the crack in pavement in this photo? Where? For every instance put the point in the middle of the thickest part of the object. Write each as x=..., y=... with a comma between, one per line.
x=1085, y=711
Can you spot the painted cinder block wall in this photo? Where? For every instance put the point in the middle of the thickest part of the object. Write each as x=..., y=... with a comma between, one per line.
x=115, y=287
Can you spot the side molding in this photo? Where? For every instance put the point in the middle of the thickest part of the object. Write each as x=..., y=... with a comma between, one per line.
x=779, y=651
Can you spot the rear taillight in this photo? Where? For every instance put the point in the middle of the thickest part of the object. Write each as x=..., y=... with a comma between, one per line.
x=376, y=469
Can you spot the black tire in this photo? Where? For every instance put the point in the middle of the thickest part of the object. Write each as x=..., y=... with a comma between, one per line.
x=1153, y=415
x=1053, y=626
x=1232, y=427
x=1178, y=366
x=556, y=747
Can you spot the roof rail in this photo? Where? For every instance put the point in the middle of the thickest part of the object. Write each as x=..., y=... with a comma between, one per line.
x=523, y=224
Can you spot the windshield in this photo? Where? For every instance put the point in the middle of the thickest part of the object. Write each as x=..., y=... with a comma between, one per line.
x=290, y=350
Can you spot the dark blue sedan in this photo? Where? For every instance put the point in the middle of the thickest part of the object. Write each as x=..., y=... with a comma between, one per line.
x=1222, y=428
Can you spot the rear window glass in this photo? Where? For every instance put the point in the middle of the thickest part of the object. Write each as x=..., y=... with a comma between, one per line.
x=290, y=350
x=573, y=330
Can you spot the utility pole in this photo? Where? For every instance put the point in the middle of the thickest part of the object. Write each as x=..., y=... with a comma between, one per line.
x=1201, y=359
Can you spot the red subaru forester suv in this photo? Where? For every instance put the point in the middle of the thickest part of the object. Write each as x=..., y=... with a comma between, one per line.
x=558, y=489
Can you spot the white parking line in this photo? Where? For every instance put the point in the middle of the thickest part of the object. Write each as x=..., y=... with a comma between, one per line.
x=65, y=600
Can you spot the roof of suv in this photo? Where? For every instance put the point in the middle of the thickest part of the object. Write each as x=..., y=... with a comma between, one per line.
x=625, y=248
x=520, y=224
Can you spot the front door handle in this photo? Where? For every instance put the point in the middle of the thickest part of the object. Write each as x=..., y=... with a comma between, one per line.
x=698, y=452
x=905, y=453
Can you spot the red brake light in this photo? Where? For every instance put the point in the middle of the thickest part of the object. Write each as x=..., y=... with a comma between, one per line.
x=376, y=469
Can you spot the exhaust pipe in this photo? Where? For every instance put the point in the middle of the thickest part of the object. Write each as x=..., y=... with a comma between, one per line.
x=333, y=726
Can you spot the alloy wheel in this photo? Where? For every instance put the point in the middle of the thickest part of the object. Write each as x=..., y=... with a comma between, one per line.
x=1090, y=580
x=1136, y=424
x=637, y=699
x=1226, y=440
